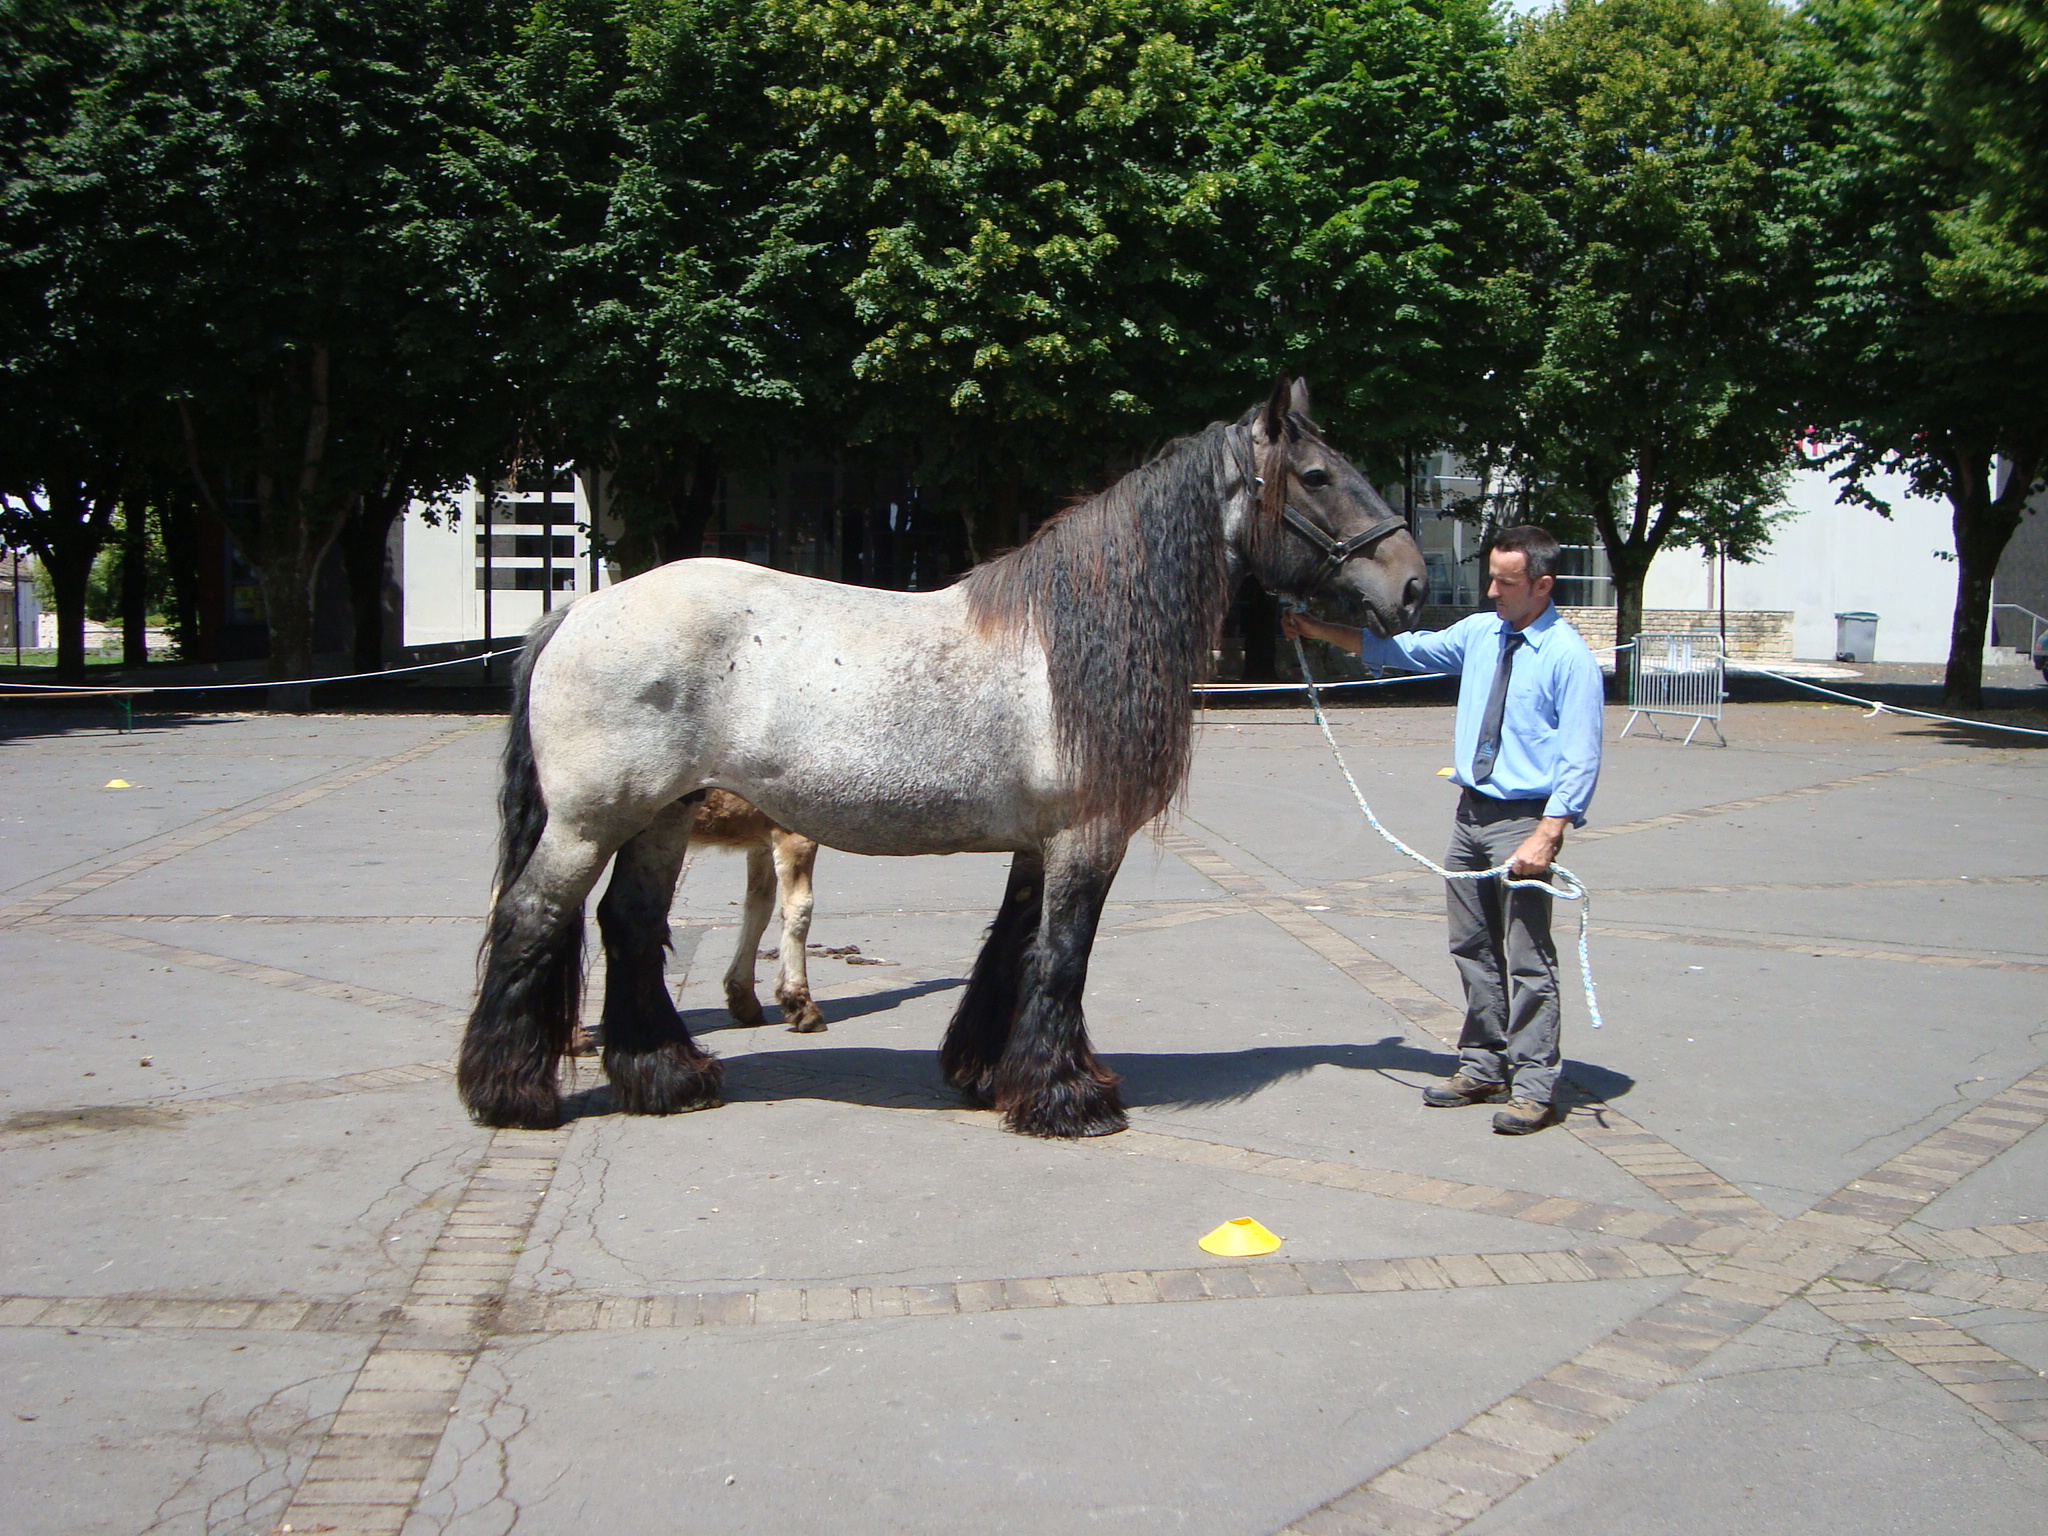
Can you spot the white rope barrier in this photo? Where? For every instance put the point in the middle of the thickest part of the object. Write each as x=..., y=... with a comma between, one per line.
x=289, y=682
x=1569, y=888
x=1877, y=706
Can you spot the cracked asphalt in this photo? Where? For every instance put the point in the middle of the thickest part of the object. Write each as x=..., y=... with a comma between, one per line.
x=1783, y=1268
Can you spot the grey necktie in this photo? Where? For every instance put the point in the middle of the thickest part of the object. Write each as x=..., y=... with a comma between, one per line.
x=1496, y=707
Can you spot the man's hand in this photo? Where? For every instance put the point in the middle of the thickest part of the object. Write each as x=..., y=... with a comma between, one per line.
x=1539, y=850
x=1297, y=625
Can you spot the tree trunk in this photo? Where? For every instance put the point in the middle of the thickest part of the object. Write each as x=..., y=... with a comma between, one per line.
x=181, y=571
x=135, y=582
x=693, y=508
x=69, y=575
x=1983, y=525
x=364, y=553
x=287, y=578
x=1261, y=635
x=1629, y=575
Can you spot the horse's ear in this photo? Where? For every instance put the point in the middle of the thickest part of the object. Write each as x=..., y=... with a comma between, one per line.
x=1297, y=401
x=1272, y=425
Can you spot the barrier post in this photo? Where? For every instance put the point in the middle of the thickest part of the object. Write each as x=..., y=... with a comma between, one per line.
x=1683, y=674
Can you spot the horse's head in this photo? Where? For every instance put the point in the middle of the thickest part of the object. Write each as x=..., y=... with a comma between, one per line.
x=1310, y=526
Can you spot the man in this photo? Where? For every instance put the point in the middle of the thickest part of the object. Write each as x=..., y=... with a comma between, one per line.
x=1527, y=757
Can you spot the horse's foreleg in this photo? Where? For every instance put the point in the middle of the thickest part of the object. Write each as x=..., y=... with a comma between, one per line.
x=654, y=1066
x=981, y=1024
x=531, y=987
x=796, y=856
x=1049, y=1081
x=740, y=1000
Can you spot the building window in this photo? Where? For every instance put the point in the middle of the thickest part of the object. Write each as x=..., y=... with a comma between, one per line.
x=1584, y=579
x=526, y=578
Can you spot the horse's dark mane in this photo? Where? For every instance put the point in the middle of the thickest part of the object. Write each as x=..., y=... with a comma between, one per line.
x=1126, y=592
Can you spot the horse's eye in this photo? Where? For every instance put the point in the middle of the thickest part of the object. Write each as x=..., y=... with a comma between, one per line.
x=1315, y=479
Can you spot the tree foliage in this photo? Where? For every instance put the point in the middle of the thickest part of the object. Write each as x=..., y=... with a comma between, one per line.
x=1655, y=278
x=1933, y=340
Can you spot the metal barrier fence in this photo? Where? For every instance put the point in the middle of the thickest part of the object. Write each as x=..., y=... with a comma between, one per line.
x=1677, y=674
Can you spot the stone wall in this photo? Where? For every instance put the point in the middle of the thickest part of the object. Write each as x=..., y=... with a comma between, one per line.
x=1754, y=634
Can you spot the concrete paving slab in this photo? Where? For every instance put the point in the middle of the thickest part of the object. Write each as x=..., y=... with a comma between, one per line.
x=2014, y=1188
x=806, y=1189
x=406, y=841
x=1859, y=1445
x=82, y=1018
x=111, y=1433
x=1725, y=1051
x=1227, y=1029
x=1218, y=1418
x=326, y=1198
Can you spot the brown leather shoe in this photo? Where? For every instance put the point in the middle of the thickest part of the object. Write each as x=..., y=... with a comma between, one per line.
x=1464, y=1089
x=1521, y=1117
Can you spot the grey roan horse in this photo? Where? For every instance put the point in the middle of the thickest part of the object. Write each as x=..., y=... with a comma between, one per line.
x=1039, y=707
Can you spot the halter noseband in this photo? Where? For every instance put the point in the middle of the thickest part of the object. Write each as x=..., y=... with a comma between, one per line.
x=1332, y=552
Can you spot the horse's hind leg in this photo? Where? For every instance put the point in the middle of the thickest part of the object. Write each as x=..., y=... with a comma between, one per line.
x=981, y=1024
x=1049, y=1081
x=740, y=1000
x=796, y=856
x=532, y=983
x=654, y=1066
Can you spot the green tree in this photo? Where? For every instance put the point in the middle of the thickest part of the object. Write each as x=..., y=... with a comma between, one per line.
x=269, y=183
x=1655, y=276
x=70, y=376
x=1926, y=206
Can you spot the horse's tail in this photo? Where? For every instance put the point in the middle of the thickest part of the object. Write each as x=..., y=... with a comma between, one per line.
x=531, y=964
x=522, y=812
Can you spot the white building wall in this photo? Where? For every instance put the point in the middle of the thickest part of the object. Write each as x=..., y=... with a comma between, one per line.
x=442, y=566
x=1833, y=559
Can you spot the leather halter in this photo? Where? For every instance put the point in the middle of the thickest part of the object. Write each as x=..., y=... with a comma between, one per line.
x=1332, y=552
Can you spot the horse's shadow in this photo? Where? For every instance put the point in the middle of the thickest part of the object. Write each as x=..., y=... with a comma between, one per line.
x=887, y=1078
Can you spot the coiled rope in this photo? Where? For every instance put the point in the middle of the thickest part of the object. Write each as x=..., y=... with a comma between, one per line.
x=1568, y=887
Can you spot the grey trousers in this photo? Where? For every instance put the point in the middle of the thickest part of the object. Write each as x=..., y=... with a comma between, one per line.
x=1503, y=952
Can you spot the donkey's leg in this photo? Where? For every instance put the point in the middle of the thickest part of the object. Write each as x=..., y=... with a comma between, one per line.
x=1049, y=1082
x=654, y=1066
x=740, y=1000
x=532, y=984
x=981, y=1024
x=796, y=856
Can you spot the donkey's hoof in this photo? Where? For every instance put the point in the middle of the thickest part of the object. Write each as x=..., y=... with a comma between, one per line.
x=664, y=1082
x=745, y=1008
x=1066, y=1111
x=802, y=1015
x=513, y=1106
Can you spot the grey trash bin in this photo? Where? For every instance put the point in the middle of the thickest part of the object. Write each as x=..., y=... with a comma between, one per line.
x=1856, y=637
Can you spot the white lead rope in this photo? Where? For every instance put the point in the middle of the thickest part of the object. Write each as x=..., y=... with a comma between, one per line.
x=1568, y=888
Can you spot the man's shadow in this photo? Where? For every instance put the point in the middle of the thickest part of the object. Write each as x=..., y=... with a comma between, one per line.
x=888, y=1077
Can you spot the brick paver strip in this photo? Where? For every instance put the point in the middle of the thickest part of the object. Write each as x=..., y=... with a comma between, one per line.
x=1777, y=797
x=55, y=896
x=1990, y=1381
x=1461, y=1476
x=1686, y=1182
x=367, y=1471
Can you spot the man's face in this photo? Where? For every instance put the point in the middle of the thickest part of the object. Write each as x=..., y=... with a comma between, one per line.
x=1515, y=597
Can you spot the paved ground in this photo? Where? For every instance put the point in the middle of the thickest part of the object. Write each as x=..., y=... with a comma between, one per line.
x=1784, y=1269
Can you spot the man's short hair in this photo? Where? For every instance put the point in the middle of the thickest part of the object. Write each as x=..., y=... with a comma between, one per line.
x=1537, y=546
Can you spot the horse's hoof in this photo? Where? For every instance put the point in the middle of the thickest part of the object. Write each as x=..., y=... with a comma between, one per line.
x=1069, y=1111
x=505, y=1107
x=802, y=1016
x=586, y=1041
x=664, y=1082
x=745, y=1009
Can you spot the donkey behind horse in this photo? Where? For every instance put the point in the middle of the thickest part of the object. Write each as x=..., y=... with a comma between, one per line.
x=1040, y=707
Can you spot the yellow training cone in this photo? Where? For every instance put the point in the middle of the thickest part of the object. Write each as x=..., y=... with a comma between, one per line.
x=1445, y=773
x=1239, y=1239
x=119, y=784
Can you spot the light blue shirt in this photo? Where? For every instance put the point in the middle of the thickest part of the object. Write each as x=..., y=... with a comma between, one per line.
x=1550, y=731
